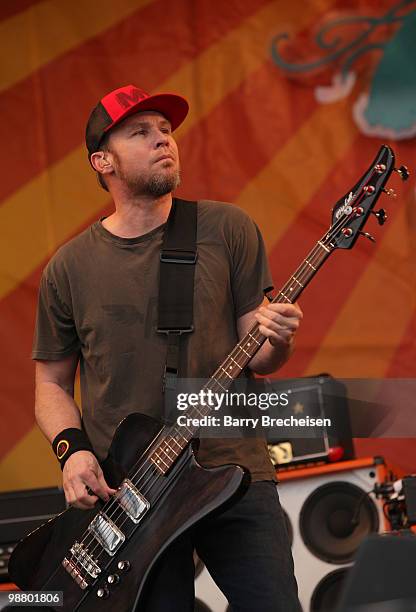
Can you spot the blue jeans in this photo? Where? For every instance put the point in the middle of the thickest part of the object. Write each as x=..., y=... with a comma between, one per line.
x=247, y=552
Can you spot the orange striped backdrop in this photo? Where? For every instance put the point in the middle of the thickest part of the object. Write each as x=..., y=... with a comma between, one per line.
x=253, y=137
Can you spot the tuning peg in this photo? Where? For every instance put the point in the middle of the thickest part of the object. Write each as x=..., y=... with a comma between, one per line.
x=403, y=172
x=381, y=215
x=367, y=235
x=390, y=192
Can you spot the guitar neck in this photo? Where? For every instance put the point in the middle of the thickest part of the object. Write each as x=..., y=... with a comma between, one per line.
x=248, y=346
x=179, y=437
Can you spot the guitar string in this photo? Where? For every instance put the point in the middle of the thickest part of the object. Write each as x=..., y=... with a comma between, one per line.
x=313, y=258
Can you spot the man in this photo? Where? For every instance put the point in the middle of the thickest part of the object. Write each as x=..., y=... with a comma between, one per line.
x=98, y=305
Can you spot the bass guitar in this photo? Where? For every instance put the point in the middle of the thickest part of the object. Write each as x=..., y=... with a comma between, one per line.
x=106, y=554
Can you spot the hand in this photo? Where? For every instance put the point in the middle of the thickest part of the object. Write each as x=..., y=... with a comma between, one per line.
x=279, y=322
x=82, y=470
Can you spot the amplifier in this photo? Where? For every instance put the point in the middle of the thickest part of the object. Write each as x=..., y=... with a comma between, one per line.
x=20, y=513
x=317, y=397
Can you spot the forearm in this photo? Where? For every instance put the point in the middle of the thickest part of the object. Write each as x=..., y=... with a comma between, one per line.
x=55, y=409
x=270, y=358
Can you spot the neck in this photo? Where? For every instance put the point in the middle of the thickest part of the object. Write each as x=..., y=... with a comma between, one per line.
x=135, y=216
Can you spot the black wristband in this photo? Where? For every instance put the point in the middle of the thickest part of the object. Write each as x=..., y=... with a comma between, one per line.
x=68, y=442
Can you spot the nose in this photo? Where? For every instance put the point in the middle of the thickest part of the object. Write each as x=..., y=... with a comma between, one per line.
x=162, y=140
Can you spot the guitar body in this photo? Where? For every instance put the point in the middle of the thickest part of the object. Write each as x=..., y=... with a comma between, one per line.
x=192, y=492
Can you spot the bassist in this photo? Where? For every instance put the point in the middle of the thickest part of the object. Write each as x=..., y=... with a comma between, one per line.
x=98, y=307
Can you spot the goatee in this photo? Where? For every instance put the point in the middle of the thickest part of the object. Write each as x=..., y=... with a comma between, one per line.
x=157, y=185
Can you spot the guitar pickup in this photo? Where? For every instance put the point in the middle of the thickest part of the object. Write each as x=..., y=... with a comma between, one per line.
x=134, y=504
x=106, y=532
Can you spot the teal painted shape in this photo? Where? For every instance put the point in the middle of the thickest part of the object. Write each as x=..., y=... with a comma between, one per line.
x=392, y=100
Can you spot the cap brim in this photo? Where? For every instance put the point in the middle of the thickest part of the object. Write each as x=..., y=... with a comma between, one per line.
x=173, y=107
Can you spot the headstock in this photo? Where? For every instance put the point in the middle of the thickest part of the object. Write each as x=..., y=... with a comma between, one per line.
x=351, y=212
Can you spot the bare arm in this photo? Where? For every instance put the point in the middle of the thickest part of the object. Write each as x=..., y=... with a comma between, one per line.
x=56, y=410
x=279, y=323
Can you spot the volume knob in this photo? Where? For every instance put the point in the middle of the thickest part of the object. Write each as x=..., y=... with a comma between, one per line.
x=113, y=579
x=103, y=593
x=124, y=566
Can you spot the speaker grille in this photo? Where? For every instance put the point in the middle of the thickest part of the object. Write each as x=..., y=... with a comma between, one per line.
x=335, y=519
x=328, y=591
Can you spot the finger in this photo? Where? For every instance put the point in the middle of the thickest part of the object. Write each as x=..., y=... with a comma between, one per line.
x=83, y=500
x=98, y=486
x=287, y=323
x=72, y=500
x=284, y=311
x=291, y=310
x=282, y=336
x=277, y=325
x=69, y=494
x=104, y=484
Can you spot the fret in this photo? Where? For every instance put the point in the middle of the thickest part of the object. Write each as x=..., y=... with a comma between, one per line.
x=177, y=443
x=323, y=246
x=296, y=281
x=251, y=336
x=162, y=449
x=180, y=435
x=236, y=363
x=157, y=461
x=310, y=265
x=226, y=373
x=172, y=449
x=244, y=351
x=197, y=409
x=285, y=296
x=195, y=412
x=218, y=383
x=189, y=431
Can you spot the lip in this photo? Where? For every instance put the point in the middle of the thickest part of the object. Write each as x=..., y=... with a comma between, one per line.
x=164, y=157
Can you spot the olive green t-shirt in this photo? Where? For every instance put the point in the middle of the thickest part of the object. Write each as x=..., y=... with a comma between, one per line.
x=99, y=296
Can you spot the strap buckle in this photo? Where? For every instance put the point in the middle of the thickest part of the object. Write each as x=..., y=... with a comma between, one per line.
x=179, y=256
x=176, y=332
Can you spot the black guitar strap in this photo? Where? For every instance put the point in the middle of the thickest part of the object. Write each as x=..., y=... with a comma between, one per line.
x=176, y=283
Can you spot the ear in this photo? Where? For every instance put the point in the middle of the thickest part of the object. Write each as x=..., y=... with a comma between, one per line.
x=101, y=163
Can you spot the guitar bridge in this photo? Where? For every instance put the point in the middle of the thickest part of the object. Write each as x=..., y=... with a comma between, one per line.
x=107, y=533
x=83, y=558
x=134, y=504
x=75, y=572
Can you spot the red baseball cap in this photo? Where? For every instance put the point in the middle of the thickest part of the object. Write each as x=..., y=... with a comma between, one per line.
x=125, y=101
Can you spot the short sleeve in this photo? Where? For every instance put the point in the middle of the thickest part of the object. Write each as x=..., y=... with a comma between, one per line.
x=55, y=332
x=251, y=275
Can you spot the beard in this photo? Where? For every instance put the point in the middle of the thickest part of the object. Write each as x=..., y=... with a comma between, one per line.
x=156, y=184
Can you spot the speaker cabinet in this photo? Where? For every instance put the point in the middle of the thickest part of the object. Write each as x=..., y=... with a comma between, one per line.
x=330, y=509
x=208, y=597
